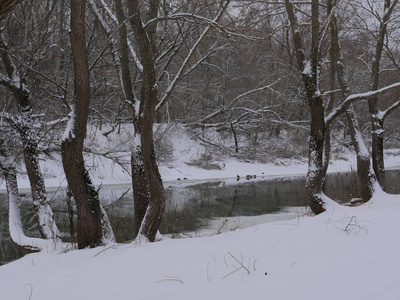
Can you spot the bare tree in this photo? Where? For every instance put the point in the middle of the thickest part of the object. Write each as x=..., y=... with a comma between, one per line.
x=90, y=214
x=377, y=115
x=309, y=69
x=15, y=81
x=364, y=170
x=152, y=49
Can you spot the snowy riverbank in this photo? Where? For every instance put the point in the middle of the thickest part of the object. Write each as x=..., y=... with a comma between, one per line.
x=344, y=253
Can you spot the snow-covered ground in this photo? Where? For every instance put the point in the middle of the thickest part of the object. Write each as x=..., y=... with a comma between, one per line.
x=344, y=253
x=348, y=253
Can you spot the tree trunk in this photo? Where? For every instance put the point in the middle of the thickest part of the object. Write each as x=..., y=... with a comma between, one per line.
x=25, y=127
x=315, y=173
x=89, y=229
x=314, y=196
x=14, y=219
x=377, y=136
x=141, y=193
x=44, y=214
x=149, y=93
x=146, y=42
x=155, y=210
x=364, y=171
x=235, y=138
x=332, y=87
x=378, y=162
x=7, y=169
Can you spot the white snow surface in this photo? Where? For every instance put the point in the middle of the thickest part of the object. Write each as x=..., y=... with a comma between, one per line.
x=344, y=253
x=348, y=253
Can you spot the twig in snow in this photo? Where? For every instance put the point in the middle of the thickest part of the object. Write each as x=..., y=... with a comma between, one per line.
x=29, y=284
x=170, y=278
x=236, y=268
x=105, y=249
x=248, y=272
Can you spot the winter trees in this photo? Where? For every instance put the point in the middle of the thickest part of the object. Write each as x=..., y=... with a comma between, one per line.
x=311, y=75
x=147, y=61
x=377, y=115
x=365, y=173
x=161, y=34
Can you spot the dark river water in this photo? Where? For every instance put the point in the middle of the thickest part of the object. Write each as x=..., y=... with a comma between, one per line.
x=191, y=207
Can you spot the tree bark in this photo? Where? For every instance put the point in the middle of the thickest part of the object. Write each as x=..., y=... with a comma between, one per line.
x=44, y=214
x=141, y=192
x=146, y=42
x=89, y=229
x=365, y=173
x=7, y=169
x=314, y=196
x=25, y=127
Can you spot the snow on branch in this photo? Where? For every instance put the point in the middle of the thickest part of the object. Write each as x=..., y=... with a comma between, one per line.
x=4, y=80
x=355, y=97
x=111, y=33
x=392, y=107
x=113, y=45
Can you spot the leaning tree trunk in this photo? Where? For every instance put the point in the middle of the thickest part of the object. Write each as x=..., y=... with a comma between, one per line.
x=146, y=43
x=44, y=214
x=364, y=171
x=141, y=193
x=120, y=54
x=23, y=243
x=25, y=127
x=89, y=229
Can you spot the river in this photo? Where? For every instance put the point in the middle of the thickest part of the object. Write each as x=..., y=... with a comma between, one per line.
x=191, y=208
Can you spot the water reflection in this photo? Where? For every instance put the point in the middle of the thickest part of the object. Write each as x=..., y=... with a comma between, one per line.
x=190, y=207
